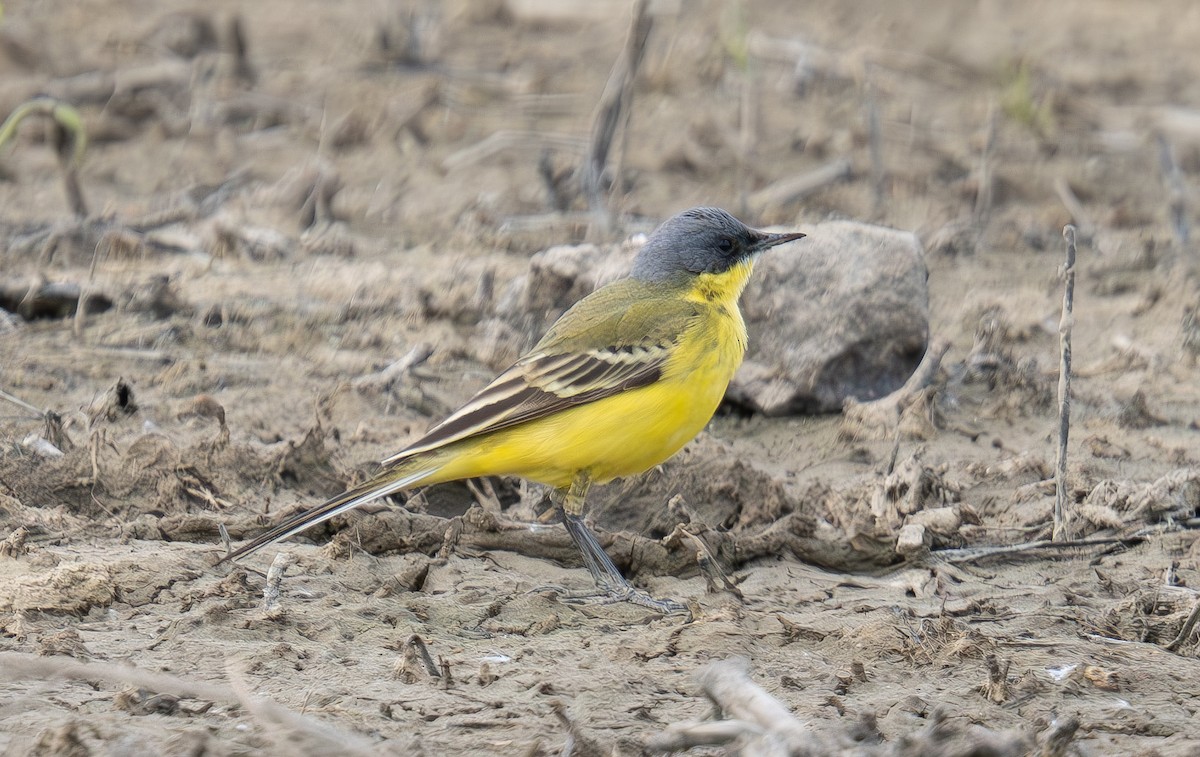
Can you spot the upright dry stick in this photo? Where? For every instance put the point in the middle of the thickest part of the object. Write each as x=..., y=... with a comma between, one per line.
x=273, y=589
x=875, y=141
x=983, y=198
x=1064, y=390
x=613, y=102
x=1173, y=178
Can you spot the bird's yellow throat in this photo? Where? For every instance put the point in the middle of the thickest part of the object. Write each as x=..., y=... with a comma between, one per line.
x=722, y=288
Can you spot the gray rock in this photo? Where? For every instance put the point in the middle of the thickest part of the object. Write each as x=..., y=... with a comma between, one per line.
x=843, y=313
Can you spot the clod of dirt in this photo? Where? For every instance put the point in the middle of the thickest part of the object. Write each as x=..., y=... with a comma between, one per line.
x=14, y=544
x=1136, y=414
x=308, y=464
x=158, y=296
x=184, y=34
x=720, y=491
x=1174, y=496
x=66, y=642
x=954, y=239
x=993, y=363
x=50, y=300
x=118, y=402
x=74, y=588
x=142, y=701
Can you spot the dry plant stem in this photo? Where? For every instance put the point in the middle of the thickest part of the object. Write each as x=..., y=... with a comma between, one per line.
x=384, y=380
x=1059, y=737
x=1064, y=390
x=16, y=666
x=508, y=139
x=875, y=140
x=275, y=574
x=983, y=197
x=793, y=533
x=21, y=403
x=715, y=579
x=85, y=290
x=415, y=646
x=996, y=688
x=294, y=732
x=617, y=96
x=971, y=554
x=225, y=540
x=682, y=736
x=727, y=683
x=1173, y=177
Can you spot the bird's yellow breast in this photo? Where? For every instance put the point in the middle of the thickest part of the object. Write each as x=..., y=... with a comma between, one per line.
x=635, y=430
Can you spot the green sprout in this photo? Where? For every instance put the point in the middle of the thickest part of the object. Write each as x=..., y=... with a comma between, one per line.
x=69, y=139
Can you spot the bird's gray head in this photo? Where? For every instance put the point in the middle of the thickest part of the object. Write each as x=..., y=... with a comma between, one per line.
x=700, y=240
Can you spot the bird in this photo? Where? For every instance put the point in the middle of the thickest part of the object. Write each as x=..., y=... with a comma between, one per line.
x=619, y=383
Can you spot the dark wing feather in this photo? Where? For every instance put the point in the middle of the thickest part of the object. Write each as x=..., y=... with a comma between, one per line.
x=541, y=385
x=618, y=338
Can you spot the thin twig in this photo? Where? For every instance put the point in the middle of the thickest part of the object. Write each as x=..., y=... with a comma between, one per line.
x=21, y=403
x=875, y=141
x=385, y=379
x=1173, y=177
x=1079, y=215
x=728, y=684
x=415, y=646
x=1189, y=625
x=970, y=554
x=1064, y=389
x=983, y=197
x=85, y=289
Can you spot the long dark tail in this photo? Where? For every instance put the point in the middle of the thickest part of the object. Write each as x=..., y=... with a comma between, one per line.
x=387, y=483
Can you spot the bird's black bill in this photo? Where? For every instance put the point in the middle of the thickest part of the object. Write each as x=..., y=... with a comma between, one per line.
x=767, y=241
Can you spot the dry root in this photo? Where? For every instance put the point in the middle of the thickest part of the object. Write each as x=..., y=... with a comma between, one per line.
x=905, y=411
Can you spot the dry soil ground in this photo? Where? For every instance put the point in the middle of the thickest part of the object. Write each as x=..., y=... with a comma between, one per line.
x=365, y=178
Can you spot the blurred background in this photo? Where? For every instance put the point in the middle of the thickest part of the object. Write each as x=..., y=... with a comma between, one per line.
x=450, y=122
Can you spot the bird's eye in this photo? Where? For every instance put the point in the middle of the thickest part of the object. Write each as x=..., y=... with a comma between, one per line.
x=725, y=244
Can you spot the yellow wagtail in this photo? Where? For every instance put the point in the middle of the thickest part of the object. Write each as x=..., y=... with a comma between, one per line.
x=618, y=384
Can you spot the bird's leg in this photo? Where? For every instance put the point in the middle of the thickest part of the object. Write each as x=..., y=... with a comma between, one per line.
x=570, y=503
x=607, y=576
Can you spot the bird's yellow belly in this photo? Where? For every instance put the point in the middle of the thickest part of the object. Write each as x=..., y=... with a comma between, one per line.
x=621, y=435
